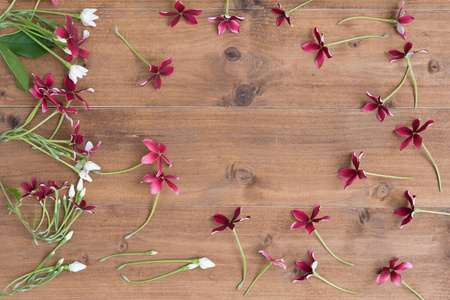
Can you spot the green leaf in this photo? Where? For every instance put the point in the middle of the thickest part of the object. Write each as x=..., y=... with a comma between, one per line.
x=14, y=192
x=22, y=44
x=16, y=67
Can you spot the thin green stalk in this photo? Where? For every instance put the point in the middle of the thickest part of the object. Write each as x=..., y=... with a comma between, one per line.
x=123, y=254
x=435, y=167
x=154, y=261
x=148, y=219
x=410, y=288
x=131, y=48
x=27, y=24
x=37, y=4
x=184, y=268
x=329, y=251
x=38, y=125
x=227, y=10
x=297, y=7
x=47, y=12
x=51, y=254
x=387, y=176
x=356, y=38
x=30, y=116
x=8, y=9
x=416, y=93
x=243, y=259
x=119, y=172
x=399, y=86
x=333, y=285
x=26, y=275
x=262, y=272
x=417, y=210
x=369, y=18
x=61, y=119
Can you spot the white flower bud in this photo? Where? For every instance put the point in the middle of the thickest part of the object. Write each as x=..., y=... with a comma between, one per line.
x=71, y=191
x=83, y=192
x=69, y=235
x=77, y=71
x=60, y=262
x=80, y=185
x=192, y=266
x=87, y=17
x=206, y=263
x=76, y=267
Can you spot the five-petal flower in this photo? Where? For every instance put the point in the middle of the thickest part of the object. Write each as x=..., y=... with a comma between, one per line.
x=70, y=91
x=320, y=47
x=69, y=33
x=163, y=70
x=276, y=261
x=379, y=104
x=187, y=14
x=306, y=267
x=157, y=181
x=30, y=188
x=403, y=19
x=397, y=55
x=412, y=134
x=226, y=223
x=283, y=15
x=308, y=222
x=353, y=174
x=227, y=21
x=156, y=154
x=391, y=272
x=406, y=211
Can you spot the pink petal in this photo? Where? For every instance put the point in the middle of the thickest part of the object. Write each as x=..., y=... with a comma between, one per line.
x=313, y=260
x=320, y=58
x=350, y=181
x=237, y=18
x=403, y=212
x=384, y=276
x=171, y=177
x=166, y=160
x=168, y=14
x=265, y=255
x=277, y=11
x=151, y=145
x=381, y=114
x=35, y=93
x=386, y=110
x=406, y=143
x=310, y=228
x=190, y=19
x=410, y=199
x=405, y=19
x=325, y=218
x=304, y=266
x=221, y=228
x=215, y=19
x=156, y=186
x=148, y=178
x=301, y=278
x=315, y=211
x=417, y=141
x=48, y=80
x=428, y=123
x=73, y=47
x=69, y=85
x=149, y=158
x=192, y=12
x=347, y=173
x=179, y=6
x=288, y=19
x=300, y=215
x=317, y=34
x=27, y=186
x=393, y=262
x=234, y=26
x=396, y=278
x=279, y=263
x=406, y=221
x=172, y=186
x=403, y=131
x=165, y=63
x=298, y=225
x=62, y=32
x=237, y=212
x=158, y=81
x=222, y=26
x=361, y=174
x=403, y=266
x=327, y=52
x=369, y=107
x=166, y=71
x=221, y=219
x=408, y=47
x=401, y=30
x=396, y=53
x=371, y=97
x=280, y=20
x=310, y=47
x=175, y=21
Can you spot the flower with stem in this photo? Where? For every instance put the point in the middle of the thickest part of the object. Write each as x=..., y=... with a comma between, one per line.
x=392, y=272
x=284, y=14
x=322, y=48
x=401, y=19
x=308, y=223
x=353, y=174
x=310, y=269
x=414, y=135
x=181, y=11
x=227, y=20
x=86, y=17
x=277, y=261
x=155, y=154
x=226, y=223
x=377, y=104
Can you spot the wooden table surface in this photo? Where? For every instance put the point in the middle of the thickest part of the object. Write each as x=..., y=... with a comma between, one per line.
x=249, y=121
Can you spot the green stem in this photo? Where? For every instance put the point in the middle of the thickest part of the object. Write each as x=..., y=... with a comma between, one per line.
x=329, y=251
x=30, y=116
x=51, y=254
x=399, y=86
x=36, y=6
x=148, y=219
x=387, y=176
x=416, y=93
x=131, y=48
x=297, y=7
x=356, y=38
x=61, y=119
x=123, y=254
x=8, y=9
x=435, y=167
x=184, y=268
x=243, y=259
x=226, y=11
x=38, y=125
x=119, y=172
x=154, y=261
x=262, y=272
x=26, y=275
x=47, y=12
x=333, y=285
x=410, y=288
x=369, y=18
x=417, y=210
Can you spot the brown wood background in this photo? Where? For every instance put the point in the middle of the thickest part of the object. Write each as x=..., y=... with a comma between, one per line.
x=249, y=121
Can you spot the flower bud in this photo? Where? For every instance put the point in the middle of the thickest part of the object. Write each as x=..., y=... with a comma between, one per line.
x=192, y=266
x=76, y=267
x=69, y=236
x=206, y=263
x=83, y=192
x=87, y=17
x=60, y=262
x=80, y=185
x=71, y=191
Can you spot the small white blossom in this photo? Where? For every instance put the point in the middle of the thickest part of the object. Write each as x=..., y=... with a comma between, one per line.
x=69, y=235
x=192, y=266
x=71, y=191
x=87, y=17
x=205, y=263
x=76, y=267
x=76, y=72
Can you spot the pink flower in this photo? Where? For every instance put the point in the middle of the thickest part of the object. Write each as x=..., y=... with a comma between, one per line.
x=70, y=33
x=319, y=47
x=353, y=174
x=82, y=206
x=406, y=211
x=163, y=70
x=55, y=187
x=397, y=55
x=43, y=90
x=227, y=21
x=187, y=14
x=412, y=134
x=306, y=267
x=70, y=92
x=391, y=271
x=81, y=52
x=277, y=261
x=307, y=222
x=43, y=193
x=283, y=15
x=403, y=19
x=76, y=140
x=226, y=223
x=30, y=188
x=55, y=2
x=157, y=182
x=156, y=154
x=379, y=104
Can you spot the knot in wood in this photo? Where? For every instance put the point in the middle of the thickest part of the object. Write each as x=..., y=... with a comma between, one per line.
x=243, y=3
x=83, y=258
x=353, y=44
x=2, y=93
x=268, y=240
x=383, y=190
x=13, y=121
x=243, y=95
x=434, y=66
x=364, y=216
x=232, y=54
x=123, y=246
x=244, y=177
x=240, y=174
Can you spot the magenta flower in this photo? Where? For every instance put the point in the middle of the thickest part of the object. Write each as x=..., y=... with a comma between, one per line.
x=81, y=52
x=55, y=2
x=406, y=211
x=227, y=21
x=70, y=91
x=391, y=272
x=157, y=182
x=55, y=187
x=156, y=154
x=353, y=174
x=379, y=104
x=307, y=267
x=163, y=70
x=30, y=188
x=403, y=19
x=397, y=55
x=226, y=223
x=187, y=14
x=283, y=15
x=307, y=222
x=320, y=47
x=43, y=193
x=70, y=33
x=43, y=90
x=76, y=140
x=413, y=135
x=83, y=207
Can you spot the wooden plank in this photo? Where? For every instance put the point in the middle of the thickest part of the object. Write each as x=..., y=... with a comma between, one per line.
x=247, y=69
x=232, y=157
x=184, y=232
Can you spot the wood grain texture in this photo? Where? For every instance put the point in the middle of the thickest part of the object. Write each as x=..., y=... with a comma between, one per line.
x=281, y=152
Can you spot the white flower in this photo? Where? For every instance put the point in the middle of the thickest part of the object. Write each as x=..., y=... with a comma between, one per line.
x=80, y=185
x=77, y=71
x=205, y=263
x=83, y=192
x=87, y=17
x=69, y=236
x=71, y=191
x=192, y=266
x=76, y=267
x=88, y=166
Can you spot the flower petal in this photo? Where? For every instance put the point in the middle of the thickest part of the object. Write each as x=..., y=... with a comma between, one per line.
x=403, y=266
x=396, y=278
x=315, y=211
x=166, y=71
x=300, y=215
x=148, y=178
x=192, y=12
x=406, y=221
x=427, y=123
x=179, y=6
x=304, y=266
x=234, y=26
x=172, y=185
x=237, y=212
x=221, y=228
x=405, y=19
x=175, y=21
x=417, y=141
x=317, y=35
x=221, y=219
x=406, y=143
x=168, y=14
x=393, y=262
x=369, y=107
x=265, y=254
x=158, y=81
x=156, y=186
x=320, y=58
x=403, y=212
x=149, y=158
x=165, y=63
x=222, y=26
x=310, y=228
x=298, y=225
x=310, y=47
x=280, y=19
x=384, y=276
x=190, y=19
x=347, y=173
x=403, y=131
x=350, y=181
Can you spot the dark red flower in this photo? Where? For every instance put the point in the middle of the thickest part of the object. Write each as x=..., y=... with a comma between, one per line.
x=43, y=90
x=379, y=104
x=43, y=193
x=319, y=47
x=226, y=223
x=30, y=188
x=157, y=182
x=406, y=211
x=227, y=21
x=353, y=174
x=403, y=19
x=76, y=140
x=276, y=261
x=70, y=91
x=55, y=187
x=70, y=34
x=397, y=55
x=156, y=154
x=412, y=134
x=307, y=222
x=163, y=70
x=283, y=15
x=81, y=52
x=82, y=206
x=391, y=271
x=187, y=14
x=306, y=267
